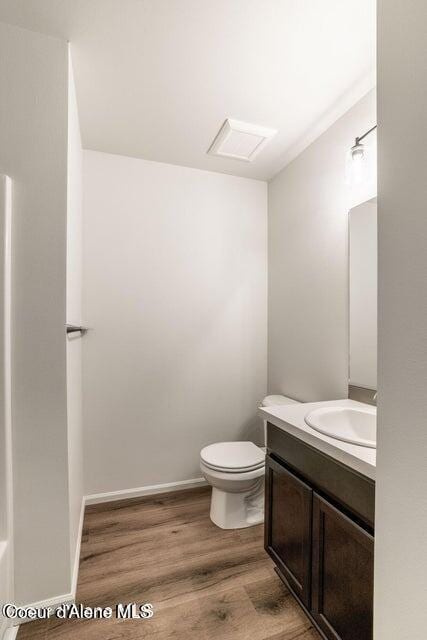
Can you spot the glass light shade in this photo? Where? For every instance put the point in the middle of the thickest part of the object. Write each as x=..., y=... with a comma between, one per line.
x=356, y=164
x=361, y=171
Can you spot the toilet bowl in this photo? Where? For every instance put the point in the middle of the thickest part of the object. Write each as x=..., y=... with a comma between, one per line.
x=235, y=471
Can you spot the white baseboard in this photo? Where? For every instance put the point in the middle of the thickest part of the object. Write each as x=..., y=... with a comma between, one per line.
x=10, y=633
x=4, y=629
x=75, y=575
x=54, y=603
x=97, y=498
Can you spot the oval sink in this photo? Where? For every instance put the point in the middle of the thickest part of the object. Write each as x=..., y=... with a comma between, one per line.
x=357, y=426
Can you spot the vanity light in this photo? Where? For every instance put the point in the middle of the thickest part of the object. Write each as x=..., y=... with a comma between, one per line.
x=358, y=150
x=356, y=164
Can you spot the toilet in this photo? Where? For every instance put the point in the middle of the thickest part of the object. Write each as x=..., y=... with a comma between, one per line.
x=235, y=471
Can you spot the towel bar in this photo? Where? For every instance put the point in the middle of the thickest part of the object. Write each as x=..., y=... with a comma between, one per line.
x=72, y=328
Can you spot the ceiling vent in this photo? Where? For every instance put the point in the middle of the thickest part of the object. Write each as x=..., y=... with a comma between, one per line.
x=240, y=140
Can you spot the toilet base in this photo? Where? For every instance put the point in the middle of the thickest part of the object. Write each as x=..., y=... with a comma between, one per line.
x=238, y=510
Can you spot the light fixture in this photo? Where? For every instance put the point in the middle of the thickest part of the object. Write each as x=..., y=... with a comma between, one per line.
x=358, y=149
x=356, y=164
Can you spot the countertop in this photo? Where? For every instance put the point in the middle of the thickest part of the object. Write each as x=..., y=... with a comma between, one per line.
x=290, y=418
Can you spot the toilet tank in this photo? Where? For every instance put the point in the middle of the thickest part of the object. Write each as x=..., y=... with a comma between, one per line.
x=273, y=401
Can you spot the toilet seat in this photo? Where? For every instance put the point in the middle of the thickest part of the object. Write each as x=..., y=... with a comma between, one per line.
x=233, y=457
x=235, y=471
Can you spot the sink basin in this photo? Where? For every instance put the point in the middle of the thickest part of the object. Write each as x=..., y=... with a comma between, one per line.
x=357, y=426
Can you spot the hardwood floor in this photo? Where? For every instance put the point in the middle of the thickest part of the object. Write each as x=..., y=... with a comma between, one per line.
x=204, y=583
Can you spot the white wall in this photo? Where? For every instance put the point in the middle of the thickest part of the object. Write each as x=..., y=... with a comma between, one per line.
x=6, y=479
x=74, y=316
x=33, y=152
x=175, y=290
x=308, y=264
x=363, y=294
x=401, y=502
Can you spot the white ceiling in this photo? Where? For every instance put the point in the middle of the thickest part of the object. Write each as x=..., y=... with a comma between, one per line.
x=156, y=78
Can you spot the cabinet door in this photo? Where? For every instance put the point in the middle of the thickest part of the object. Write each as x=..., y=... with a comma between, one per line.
x=288, y=527
x=342, y=575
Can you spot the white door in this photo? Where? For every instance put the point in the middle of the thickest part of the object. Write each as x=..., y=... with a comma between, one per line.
x=6, y=537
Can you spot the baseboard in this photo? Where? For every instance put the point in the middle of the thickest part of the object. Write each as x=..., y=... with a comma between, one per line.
x=77, y=551
x=54, y=603
x=4, y=626
x=97, y=498
x=10, y=633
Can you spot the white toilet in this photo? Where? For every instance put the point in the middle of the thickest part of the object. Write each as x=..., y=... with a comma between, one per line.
x=235, y=470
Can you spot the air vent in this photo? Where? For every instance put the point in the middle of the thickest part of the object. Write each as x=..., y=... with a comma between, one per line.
x=240, y=140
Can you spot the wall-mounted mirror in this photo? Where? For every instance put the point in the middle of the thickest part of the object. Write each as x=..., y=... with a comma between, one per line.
x=363, y=258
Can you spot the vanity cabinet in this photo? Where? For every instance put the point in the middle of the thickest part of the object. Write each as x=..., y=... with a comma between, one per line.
x=342, y=574
x=319, y=532
x=289, y=533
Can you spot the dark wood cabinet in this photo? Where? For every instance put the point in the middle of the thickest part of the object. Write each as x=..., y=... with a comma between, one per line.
x=342, y=575
x=319, y=531
x=288, y=535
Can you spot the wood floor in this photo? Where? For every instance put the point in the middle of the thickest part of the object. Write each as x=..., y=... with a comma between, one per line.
x=204, y=583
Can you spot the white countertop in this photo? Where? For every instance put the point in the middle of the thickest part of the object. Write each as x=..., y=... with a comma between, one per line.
x=290, y=418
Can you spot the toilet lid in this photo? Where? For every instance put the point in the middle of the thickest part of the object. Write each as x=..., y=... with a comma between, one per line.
x=233, y=456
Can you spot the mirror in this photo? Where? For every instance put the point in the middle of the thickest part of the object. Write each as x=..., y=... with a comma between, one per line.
x=363, y=258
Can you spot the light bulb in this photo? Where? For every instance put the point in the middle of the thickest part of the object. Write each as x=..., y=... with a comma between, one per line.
x=357, y=166
x=358, y=151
